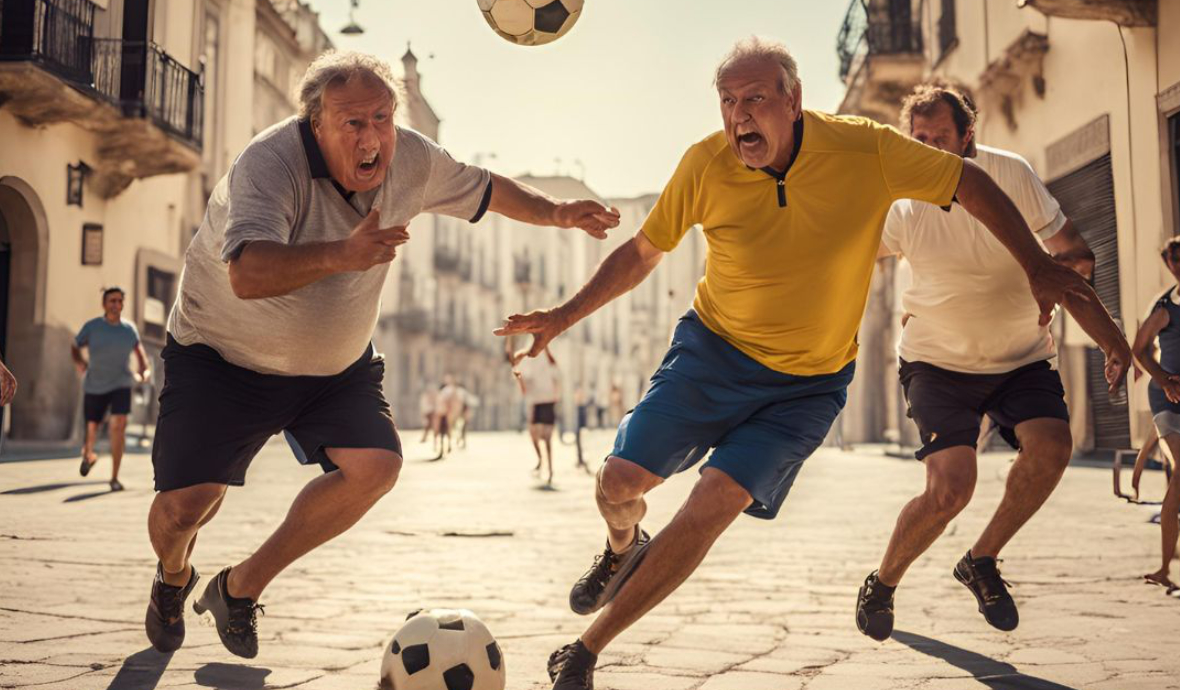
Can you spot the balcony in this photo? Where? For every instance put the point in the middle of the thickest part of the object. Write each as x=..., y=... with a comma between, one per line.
x=522, y=270
x=146, y=107
x=410, y=319
x=446, y=259
x=881, y=58
x=1121, y=12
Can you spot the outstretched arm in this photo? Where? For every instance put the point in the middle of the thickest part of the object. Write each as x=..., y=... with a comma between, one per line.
x=1052, y=283
x=1070, y=248
x=528, y=205
x=621, y=271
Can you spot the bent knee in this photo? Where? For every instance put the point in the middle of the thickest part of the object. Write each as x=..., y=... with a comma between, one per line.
x=622, y=481
x=1051, y=450
x=184, y=509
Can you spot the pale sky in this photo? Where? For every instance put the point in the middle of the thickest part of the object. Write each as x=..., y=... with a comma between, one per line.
x=625, y=92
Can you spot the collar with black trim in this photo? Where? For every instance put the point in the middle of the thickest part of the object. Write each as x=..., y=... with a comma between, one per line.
x=315, y=159
x=781, y=177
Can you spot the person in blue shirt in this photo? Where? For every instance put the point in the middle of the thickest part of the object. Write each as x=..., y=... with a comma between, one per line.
x=109, y=341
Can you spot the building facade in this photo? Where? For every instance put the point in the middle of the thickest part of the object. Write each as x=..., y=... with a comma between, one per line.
x=1089, y=93
x=117, y=117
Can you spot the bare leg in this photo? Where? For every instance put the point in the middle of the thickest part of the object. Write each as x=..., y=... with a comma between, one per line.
x=549, y=452
x=1046, y=447
x=1169, y=523
x=173, y=522
x=118, y=442
x=672, y=556
x=327, y=506
x=88, y=446
x=950, y=482
x=535, y=437
x=619, y=492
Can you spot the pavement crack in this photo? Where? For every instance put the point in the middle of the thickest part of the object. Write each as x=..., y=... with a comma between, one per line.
x=65, y=615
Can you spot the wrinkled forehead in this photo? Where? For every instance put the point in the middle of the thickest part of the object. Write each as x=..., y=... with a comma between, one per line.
x=745, y=73
x=937, y=117
x=360, y=94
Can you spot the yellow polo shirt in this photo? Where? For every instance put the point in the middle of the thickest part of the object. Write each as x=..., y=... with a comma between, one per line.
x=790, y=256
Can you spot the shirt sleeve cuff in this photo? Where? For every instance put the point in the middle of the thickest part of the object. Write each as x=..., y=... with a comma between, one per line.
x=1052, y=227
x=483, y=203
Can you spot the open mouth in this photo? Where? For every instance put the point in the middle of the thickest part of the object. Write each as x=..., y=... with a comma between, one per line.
x=750, y=139
x=368, y=165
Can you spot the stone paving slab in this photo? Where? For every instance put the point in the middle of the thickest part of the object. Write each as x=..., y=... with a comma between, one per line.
x=770, y=609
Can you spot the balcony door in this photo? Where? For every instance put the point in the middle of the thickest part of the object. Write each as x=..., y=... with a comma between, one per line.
x=133, y=72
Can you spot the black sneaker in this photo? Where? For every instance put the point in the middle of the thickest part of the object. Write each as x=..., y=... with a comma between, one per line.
x=874, y=609
x=165, y=613
x=982, y=577
x=84, y=469
x=237, y=619
x=602, y=581
x=572, y=667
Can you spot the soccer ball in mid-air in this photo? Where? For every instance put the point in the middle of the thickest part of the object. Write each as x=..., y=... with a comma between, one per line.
x=443, y=649
x=531, y=22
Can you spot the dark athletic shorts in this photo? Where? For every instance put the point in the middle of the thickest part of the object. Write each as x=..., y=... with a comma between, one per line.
x=95, y=405
x=544, y=413
x=761, y=423
x=948, y=406
x=215, y=416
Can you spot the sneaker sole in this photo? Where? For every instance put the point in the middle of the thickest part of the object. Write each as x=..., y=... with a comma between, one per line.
x=201, y=608
x=979, y=603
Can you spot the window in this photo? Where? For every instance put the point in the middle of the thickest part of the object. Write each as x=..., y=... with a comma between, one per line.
x=160, y=294
x=947, y=34
x=1174, y=137
x=212, y=49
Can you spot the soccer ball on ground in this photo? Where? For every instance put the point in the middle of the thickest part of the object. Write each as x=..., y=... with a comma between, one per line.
x=443, y=649
x=531, y=22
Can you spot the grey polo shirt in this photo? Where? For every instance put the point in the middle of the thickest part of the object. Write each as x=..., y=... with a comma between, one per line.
x=279, y=190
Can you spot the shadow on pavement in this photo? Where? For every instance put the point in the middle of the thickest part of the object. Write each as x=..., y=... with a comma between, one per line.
x=47, y=487
x=141, y=671
x=231, y=676
x=88, y=496
x=994, y=674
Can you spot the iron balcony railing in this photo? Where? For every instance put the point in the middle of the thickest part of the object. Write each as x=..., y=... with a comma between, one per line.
x=54, y=33
x=875, y=31
x=138, y=77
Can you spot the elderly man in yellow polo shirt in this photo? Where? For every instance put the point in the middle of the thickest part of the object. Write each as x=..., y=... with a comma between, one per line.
x=792, y=203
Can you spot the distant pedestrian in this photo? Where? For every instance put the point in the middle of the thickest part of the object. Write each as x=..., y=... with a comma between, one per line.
x=426, y=402
x=109, y=341
x=540, y=382
x=444, y=416
x=1164, y=396
x=583, y=415
x=615, y=403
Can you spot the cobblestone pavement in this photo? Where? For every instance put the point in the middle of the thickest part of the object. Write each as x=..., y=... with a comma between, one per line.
x=770, y=609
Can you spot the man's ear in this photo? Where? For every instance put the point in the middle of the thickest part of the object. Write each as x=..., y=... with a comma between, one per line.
x=797, y=100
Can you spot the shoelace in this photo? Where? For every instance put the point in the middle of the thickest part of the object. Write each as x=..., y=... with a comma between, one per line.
x=873, y=601
x=557, y=662
x=604, y=565
x=989, y=579
x=243, y=620
x=171, y=602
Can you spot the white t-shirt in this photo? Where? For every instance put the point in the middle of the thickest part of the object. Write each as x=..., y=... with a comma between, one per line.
x=541, y=380
x=972, y=309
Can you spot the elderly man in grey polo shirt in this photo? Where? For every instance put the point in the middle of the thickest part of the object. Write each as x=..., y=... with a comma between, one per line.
x=271, y=330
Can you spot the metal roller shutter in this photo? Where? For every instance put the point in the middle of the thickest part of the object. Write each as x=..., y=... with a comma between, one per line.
x=1087, y=198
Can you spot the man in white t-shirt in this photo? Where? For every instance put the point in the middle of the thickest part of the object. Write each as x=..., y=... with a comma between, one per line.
x=973, y=345
x=540, y=383
x=444, y=418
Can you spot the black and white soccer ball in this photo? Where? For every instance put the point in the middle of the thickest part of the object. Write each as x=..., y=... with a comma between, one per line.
x=443, y=649
x=531, y=22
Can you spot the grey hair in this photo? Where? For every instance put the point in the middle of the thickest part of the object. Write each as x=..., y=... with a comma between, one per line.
x=342, y=67
x=759, y=48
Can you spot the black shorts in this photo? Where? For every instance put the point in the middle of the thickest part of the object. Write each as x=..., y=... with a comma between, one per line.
x=544, y=413
x=948, y=406
x=95, y=405
x=215, y=416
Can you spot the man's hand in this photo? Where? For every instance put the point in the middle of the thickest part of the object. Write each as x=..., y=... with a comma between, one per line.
x=1171, y=388
x=544, y=325
x=588, y=215
x=1052, y=283
x=370, y=245
x=143, y=376
x=1118, y=364
x=80, y=366
x=7, y=385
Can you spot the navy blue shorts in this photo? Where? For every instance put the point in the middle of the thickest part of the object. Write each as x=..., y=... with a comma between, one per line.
x=708, y=394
